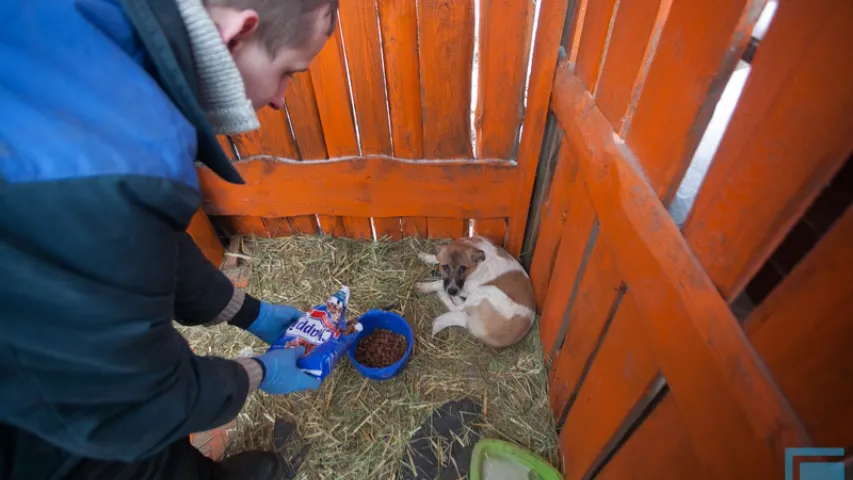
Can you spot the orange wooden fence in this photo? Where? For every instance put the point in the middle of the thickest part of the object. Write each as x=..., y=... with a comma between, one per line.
x=378, y=135
x=651, y=375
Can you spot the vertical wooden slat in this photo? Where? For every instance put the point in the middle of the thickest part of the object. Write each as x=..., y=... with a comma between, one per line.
x=660, y=449
x=388, y=227
x=804, y=330
x=304, y=224
x=587, y=320
x=399, y=23
x=631, y=45
x=332, y=226
x=565, y=192
x=623, y=368
x=203, y=234
x=358, y=228
x=595, y=26
x=277, y=227
x=245, y=225
x=305, y=118
x=504, y=50
x=446, y=228
x=567, y=268
x=791, y=132
x=552, y=17
x=273, y=138
x=698, y=49
x=329, y=78
x=360, y=29
x=414, y=226
x=492, y=228
x=446, y=43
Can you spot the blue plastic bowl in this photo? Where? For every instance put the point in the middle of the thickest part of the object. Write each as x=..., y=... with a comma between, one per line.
x=390, y=321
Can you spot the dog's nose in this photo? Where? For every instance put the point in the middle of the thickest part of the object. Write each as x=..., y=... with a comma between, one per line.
x=453, y=290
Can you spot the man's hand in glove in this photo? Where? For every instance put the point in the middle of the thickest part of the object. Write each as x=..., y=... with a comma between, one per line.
x=281, y=375
x=272, y=321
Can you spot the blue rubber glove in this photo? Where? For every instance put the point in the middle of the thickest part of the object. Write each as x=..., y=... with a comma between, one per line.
x=281, y=373
x=272, y=321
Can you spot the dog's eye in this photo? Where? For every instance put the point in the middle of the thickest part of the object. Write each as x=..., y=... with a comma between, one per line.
x=445, y=268
x=462, y=268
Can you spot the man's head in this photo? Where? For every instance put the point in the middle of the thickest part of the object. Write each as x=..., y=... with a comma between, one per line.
x=270, y=40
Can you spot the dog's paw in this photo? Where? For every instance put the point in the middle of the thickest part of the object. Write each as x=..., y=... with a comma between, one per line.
x=424, y=287
x=428, y=258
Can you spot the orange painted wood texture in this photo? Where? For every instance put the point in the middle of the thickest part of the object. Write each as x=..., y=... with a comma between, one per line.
x=547, y=38
x=500, y=104
x=593, y=40
x=702, y=350
x=699, y=46
x=203, y=234
x=492, y=228
x=361, y=187
x=803, y=331
x=273, y=138
x=305, y=117
x=791, y=132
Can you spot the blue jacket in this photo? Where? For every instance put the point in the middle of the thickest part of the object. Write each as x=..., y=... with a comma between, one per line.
x=100, y=128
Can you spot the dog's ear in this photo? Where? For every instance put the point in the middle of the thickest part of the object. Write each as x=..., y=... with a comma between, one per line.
x=477, y=255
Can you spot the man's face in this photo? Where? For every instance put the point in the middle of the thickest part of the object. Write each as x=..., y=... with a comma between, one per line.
x=264, y=76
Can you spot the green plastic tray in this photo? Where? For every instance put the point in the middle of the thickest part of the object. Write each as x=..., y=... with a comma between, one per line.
x=540, y=469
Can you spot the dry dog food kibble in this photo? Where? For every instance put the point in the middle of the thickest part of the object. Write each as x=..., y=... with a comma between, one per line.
x=380, y=349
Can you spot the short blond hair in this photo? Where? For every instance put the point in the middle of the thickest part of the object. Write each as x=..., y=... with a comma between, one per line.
x=282, y=22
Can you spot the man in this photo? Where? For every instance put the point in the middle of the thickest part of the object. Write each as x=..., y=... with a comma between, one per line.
x=104, y=107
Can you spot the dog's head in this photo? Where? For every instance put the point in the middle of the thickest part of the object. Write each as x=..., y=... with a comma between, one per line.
x=457, y=261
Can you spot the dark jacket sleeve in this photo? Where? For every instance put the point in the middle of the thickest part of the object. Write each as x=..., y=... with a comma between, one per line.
x=89, y=358
x=203, y=292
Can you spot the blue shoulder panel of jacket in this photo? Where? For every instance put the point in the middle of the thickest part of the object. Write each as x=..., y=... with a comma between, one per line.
x=76, y=100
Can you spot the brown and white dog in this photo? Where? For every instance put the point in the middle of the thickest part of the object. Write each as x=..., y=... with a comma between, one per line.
x=485, y=290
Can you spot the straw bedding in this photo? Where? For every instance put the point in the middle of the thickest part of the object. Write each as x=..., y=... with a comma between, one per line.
x=359, y=429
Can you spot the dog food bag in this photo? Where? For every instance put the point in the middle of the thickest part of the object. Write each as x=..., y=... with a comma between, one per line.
x=325, y=334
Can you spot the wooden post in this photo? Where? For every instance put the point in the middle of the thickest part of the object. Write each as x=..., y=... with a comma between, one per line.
x=205, y=237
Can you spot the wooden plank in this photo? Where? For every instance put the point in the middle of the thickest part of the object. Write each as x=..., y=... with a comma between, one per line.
x=305, y=118
x=225, y=143
x=635, y=34
x=329, y=78
x=702, y=349
x=699, y=47
x=361, y=187
x=446, y=43
x=358, y=228
x=660, y=448
x=548, y=34
x=588, y=317
x=504, y=50
x=273, y=138
x=304, y=224
x=332, y=226
x=492, y=228
x=246, y=225
x=203, y=234
x=623, y=369
x=390, y=228
x=791, y=132
x=399, y=22
x=592, y=43
x=565, y=191
x=443, y=228
x=277, y=227
x=360, y=29
x=567, y=268
x=803, y=332
x=414, y=226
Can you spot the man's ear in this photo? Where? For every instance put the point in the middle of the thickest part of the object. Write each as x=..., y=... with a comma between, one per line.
x=477, y=255
x=235, y=26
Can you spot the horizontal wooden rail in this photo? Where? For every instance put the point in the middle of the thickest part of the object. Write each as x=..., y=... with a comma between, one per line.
x=372, y=186
x=735, y=413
